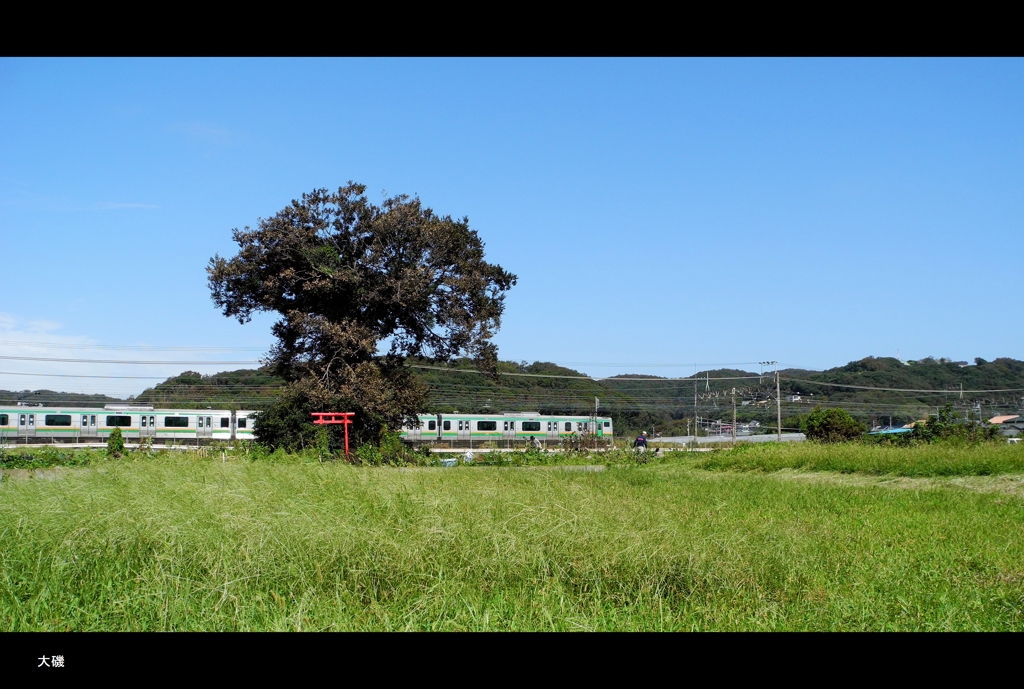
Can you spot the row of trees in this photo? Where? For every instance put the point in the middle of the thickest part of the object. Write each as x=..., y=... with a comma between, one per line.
x=836, y=425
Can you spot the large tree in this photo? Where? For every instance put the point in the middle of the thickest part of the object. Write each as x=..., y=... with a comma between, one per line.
x=346, y=276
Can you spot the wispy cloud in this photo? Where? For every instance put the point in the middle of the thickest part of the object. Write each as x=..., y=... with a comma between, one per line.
x=38, y=346
x=114, y=206
x=204, y=132
x=41, y=326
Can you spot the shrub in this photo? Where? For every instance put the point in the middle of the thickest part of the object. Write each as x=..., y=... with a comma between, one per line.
x=946, y=425
x=390, y=449
x=369, y=455
x=115, y=443
x=323, y=444
x=831, y=426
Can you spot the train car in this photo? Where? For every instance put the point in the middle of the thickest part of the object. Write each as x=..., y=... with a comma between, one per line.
x=508, y=426
x=82, y=424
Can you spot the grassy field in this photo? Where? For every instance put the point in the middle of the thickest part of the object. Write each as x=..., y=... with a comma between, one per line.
x=691, y=541
x=921, y=460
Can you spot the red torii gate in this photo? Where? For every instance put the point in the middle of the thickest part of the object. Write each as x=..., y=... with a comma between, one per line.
x=331, y=418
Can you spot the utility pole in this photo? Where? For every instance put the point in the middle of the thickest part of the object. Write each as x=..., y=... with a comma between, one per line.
x=778, y=398
x=734, y=417
x=778, y=401
x=695, y=405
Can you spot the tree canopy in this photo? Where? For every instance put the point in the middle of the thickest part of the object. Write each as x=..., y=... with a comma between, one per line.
x=346, y=276
x=831, y=426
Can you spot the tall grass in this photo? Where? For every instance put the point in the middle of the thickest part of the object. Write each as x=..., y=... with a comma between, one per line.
x=938, y=459
x=195, y=544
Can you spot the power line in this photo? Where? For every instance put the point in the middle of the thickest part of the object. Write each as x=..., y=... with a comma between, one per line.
x=148, y=348
x=123, y=361
x=68, y=375
x=673, y=365
x=865, y=387
x=549, y=375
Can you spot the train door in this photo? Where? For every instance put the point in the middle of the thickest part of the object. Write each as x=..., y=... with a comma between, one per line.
x=147, y=426
x=464, y=432
x=415, y=431
x=88, y=429
x=508, y=431
x=552, y=430
x=26, y=425
x=204, y=427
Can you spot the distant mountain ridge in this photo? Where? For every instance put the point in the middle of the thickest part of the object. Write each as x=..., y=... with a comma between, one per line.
x=638, y=400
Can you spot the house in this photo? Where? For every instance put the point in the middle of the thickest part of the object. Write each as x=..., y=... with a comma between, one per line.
x=1011, y=425
x=890, y=431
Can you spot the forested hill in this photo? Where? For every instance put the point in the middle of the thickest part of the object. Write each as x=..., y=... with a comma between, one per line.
x=241, y=389
x=51, y=397
x=927, y=374
x=989, y=387
x=641, y=401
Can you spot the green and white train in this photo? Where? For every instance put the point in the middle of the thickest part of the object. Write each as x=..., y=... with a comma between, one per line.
x=506, y=426
x=21, y=424
x=53, y=423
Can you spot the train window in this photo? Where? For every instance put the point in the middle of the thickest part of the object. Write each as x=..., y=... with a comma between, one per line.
x=175, y=422
x=531, y=425
x=506, y=425
x=22, y=422
x=568, y=426
x=121, y=421
x=225, y=422
x=3, y=419
x=486, y=425
x=431, y=425
x=142, y=421
x=85, y=422
x=241, y=422
x=31, y=419
x=446, y=425
x=607, y=424
x=92, y=420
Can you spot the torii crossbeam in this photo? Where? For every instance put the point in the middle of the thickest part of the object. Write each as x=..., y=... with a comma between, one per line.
x=331, y=418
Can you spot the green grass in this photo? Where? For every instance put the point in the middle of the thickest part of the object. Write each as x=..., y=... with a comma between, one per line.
x=187, y=543
x=939, y=459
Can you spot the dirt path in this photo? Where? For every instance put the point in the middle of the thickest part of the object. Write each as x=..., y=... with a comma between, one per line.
x=1008, y=484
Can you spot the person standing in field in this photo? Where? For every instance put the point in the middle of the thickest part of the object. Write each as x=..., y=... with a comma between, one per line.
x=641, y=442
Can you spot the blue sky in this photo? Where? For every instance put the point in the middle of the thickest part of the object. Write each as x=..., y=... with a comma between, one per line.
x=655, y=211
